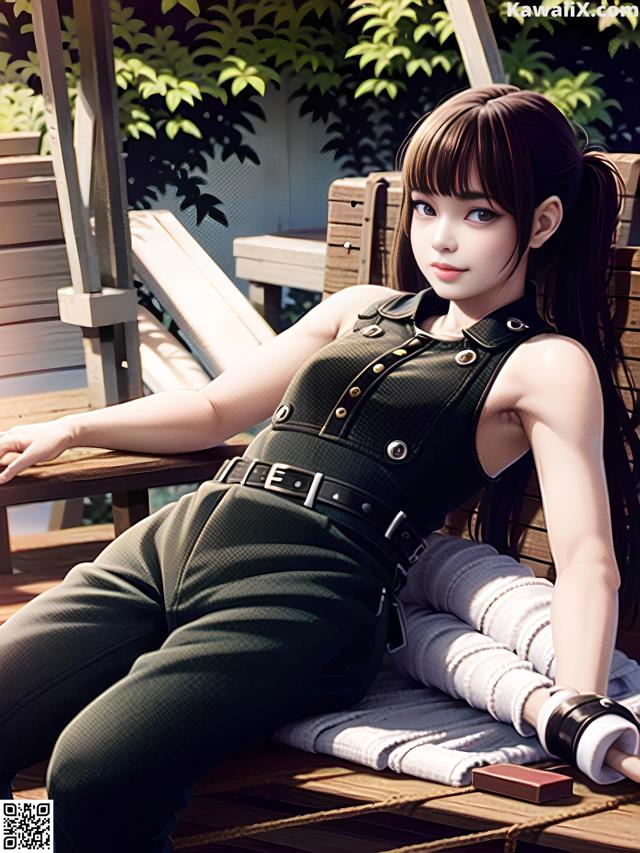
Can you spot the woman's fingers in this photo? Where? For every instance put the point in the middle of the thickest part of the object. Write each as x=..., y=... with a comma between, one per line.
x=628, y=765
x=24, y=460
x=17, y=462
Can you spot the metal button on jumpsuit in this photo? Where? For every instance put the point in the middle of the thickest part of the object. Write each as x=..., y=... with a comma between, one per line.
x=222, y=616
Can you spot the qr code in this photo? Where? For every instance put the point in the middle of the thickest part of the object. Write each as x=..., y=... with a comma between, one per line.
x=26, y=826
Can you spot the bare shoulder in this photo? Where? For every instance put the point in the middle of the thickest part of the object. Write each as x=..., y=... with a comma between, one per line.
x=350, y=301
x=548, y=366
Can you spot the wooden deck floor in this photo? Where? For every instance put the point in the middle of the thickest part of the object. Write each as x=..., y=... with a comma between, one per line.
x=273, y=783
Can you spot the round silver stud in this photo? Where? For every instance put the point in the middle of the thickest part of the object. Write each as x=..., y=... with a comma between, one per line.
x=372, y=331
x=355, y=391
x=366, y=507
x=397, y=449
x=516, y=325
x=297, y=484
x=336, y=496
x=378, y=368
x=282, y=413
x=466, y=356
x=341, y=412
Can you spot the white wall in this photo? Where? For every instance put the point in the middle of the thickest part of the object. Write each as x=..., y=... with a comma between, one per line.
x=288, y=189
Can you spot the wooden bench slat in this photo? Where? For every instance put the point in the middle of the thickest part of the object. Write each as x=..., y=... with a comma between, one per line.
x=16, y=143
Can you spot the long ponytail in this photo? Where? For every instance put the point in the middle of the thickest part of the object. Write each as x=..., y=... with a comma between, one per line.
x=573, y=276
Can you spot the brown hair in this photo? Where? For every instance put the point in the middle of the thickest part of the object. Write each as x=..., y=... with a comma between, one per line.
x=523, y=150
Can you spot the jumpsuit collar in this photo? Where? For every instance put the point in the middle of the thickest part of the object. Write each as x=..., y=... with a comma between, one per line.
x=491, y=331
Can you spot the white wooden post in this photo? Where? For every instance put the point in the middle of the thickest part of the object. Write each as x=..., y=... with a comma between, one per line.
x=477, y=42
x=92, y=262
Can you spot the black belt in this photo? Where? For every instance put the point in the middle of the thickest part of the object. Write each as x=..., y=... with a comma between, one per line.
x=312, y=487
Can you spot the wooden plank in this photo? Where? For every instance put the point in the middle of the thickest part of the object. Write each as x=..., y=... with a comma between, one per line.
x=43, y=406
x=56, y=551
x=25, y=166
x=628, y=164
x=108, y=378
x=47, y=344
x=284, y=250
x=476, y=41
x=99, y=111
x=166, y=364
x=82, y=260
x=26, y=222
x=29, y=292
x=79, y=472
x=27, y=189
x=19, y=143
x=217, y=280
x=282, y=274
x=221, y=330
x=32, y=262
x=348, y=783
x=26, y=313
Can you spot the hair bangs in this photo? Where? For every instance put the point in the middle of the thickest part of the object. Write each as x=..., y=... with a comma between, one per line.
x=457, y=157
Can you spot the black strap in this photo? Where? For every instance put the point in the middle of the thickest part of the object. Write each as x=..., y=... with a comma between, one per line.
x=568, y=722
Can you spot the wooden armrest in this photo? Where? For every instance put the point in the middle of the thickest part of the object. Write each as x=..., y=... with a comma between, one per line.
x=80, y=472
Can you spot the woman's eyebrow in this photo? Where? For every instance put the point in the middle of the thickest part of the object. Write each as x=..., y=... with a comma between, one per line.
x=464, y=196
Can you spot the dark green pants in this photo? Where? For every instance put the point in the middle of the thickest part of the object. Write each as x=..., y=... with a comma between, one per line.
x=192, y=636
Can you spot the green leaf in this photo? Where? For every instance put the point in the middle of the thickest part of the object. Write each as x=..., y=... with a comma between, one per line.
x=238, y=85
x=192, y=87
x=192, y=6
x=167, y=5
x=189, y=127
x=227, y=74
x=172, y=127
x=257, y=83
x=365, y=87
x=173, y=99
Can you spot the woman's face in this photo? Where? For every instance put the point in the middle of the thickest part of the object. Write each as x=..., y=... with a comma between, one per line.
x=473, y=234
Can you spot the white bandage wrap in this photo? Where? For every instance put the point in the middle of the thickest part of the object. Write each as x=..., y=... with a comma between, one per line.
x=599, y=735
x=446, y=653
x=557, y=698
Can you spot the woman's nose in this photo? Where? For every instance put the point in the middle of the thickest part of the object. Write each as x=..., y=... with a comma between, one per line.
x=443, y=237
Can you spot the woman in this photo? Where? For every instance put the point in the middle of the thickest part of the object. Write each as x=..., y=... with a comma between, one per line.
x=265, y=595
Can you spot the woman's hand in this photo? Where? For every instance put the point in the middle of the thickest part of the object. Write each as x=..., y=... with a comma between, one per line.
x=24, y=445
x=628, y=765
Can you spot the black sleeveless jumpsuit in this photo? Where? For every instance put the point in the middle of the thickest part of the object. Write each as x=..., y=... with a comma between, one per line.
x=236, y=609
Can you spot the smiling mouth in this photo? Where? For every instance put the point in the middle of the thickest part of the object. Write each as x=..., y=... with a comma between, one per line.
x=448, y=267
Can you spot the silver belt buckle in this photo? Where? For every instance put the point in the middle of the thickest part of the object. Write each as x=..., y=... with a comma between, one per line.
x=276, y=475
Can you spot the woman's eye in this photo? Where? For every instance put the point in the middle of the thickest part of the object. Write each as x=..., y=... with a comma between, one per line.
x=416, y=204
x=485, y=215
x=483, y=210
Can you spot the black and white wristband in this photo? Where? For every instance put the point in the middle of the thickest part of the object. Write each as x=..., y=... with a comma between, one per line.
x=581, y=728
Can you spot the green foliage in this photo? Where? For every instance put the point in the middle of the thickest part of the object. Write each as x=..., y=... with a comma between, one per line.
x=189, y=87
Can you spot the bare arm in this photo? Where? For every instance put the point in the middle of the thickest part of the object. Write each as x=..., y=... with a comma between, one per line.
x=562, y=414
x=183, y=420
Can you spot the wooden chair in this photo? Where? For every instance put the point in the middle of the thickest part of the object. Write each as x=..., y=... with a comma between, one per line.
x=276, y=797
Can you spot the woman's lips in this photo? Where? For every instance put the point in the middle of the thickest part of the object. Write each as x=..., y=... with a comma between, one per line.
x=447, y=274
